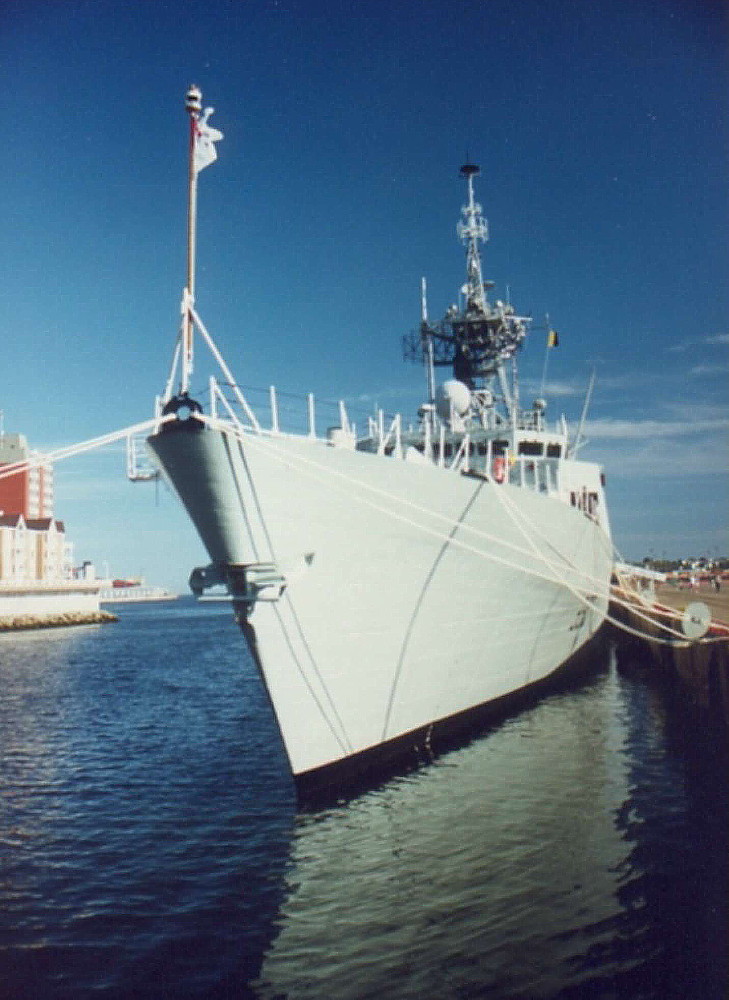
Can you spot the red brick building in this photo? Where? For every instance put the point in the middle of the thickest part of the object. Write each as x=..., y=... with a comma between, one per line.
x=33, y=545
x=29, y=492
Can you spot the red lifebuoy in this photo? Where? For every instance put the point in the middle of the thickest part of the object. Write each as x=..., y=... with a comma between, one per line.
x=498, y=468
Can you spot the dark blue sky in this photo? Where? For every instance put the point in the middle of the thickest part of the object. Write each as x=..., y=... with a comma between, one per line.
x=602, y=132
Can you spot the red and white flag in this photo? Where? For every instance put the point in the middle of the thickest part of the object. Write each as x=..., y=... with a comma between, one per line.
x=205, y=138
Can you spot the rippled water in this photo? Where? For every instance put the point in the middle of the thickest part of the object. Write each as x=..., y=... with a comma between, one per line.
x=150, y=844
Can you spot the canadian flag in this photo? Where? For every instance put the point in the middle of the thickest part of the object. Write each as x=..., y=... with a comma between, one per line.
x=205, y=138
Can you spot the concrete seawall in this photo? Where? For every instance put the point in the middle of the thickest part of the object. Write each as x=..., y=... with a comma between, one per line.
x=33, y=605
x=41, y=599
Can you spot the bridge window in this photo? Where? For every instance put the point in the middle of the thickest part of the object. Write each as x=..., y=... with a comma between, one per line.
x=531, y=448
x=554, y=451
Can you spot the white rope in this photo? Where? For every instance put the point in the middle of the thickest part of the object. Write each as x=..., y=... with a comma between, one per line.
x=554, y=573
x=240, y=431
x=517, y=517
x=356, y=485
x=510, y=505
x=593, y=581
x=71, y=451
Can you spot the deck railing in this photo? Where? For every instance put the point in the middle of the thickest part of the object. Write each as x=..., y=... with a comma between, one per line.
x=270, y=411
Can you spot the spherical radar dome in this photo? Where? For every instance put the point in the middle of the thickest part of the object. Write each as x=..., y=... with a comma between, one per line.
x=452, y=394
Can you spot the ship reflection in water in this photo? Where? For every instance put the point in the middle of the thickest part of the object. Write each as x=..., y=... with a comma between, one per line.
x=149, y=845
x=553, y=858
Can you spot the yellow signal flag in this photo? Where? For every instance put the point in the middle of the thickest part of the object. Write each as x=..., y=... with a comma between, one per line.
x=552, y=339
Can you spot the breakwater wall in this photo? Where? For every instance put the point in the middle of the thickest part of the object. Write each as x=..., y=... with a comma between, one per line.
x=16, y=623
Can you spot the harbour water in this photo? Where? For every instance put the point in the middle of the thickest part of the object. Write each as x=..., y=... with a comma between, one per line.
x=150, y=845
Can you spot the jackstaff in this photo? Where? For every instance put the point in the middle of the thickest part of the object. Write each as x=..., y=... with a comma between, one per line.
x=202, y=153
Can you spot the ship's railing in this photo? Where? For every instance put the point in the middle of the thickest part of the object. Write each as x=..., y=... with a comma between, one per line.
x=271, y=411
x=536, y=473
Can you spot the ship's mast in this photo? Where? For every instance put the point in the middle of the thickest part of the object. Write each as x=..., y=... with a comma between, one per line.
x=473, y=229
x=429, y=367
x=477, y=339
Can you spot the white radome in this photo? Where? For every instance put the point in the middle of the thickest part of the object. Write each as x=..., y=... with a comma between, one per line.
x=453, y=395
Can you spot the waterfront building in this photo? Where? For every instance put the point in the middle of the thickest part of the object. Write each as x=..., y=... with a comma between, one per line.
x=33, y=546
x=29, y=492
x=34, y=549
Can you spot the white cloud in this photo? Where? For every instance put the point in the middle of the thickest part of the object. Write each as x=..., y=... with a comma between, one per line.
x=710, y=370
x=564, y=389
x=695, y=446
x=659, y=456
x=531, y=386
x=689, y=412
x=647, y=430
x=685, y=345
x=692, y=443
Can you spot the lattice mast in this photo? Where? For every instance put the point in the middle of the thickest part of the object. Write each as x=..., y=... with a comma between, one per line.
x=472, y=230
x=478, y=338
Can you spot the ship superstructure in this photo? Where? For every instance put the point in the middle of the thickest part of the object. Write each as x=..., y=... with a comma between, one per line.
x=392, y=584
x=474, y=422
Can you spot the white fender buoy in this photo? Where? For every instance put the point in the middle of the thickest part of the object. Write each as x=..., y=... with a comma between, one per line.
x=696, y=620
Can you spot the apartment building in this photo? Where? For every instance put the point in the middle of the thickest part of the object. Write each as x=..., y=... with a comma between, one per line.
x=33, y=546
x=29, y=492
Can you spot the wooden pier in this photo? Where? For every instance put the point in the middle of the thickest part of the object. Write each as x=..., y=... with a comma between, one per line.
x=694, y=673
x=716, y=601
